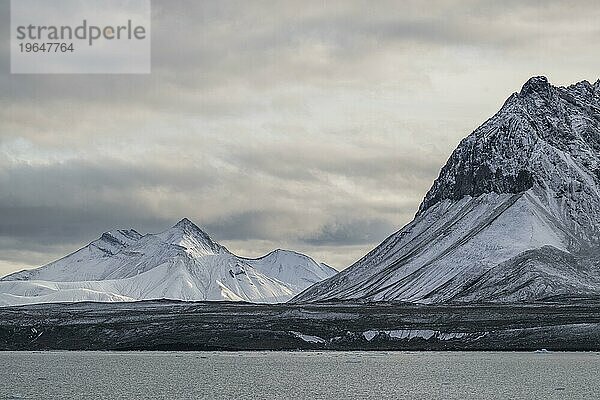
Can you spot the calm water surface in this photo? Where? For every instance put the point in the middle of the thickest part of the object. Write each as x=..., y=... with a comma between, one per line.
x=301, y=375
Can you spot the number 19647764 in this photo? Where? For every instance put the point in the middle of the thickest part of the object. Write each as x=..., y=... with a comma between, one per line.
x=48, y=47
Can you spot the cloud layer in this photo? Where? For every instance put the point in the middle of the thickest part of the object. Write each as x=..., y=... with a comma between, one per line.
x=308, y=125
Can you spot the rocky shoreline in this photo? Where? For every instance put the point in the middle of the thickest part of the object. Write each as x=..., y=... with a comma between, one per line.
x=170, y=325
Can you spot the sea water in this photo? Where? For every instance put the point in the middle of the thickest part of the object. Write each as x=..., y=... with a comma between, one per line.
x=299, y=375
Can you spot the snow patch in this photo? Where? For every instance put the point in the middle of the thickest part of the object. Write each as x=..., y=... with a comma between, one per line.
x=308, y=338
x=427, y=334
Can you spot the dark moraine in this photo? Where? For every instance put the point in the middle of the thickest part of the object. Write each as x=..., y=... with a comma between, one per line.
x=168, y=325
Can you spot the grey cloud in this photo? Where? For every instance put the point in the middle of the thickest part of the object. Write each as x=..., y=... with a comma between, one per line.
x=352, y=232
x=62, y=182
x=47, y=226
x=53, y=204
x=207, y=45
x=383, y=167
x=253, y=225
x=65, y=202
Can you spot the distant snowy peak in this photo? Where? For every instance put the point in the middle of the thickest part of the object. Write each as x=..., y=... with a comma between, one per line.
x=180, y=263
x=189, y=236
x=296, y=269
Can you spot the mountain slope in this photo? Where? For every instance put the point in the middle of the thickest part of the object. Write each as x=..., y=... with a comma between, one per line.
x=181, y=263
x=514, y=214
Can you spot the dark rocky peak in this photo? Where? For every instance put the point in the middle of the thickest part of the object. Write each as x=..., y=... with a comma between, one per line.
x=536, y=85
x=530, y=140
x=583, y=85
x=537, y=95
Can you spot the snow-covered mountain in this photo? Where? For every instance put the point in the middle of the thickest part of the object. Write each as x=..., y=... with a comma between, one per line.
x=181, y=263
x=513, y=216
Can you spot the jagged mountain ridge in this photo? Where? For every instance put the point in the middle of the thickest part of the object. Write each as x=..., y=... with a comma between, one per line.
x=513, y=216
x=541, y=133
x=181, y=263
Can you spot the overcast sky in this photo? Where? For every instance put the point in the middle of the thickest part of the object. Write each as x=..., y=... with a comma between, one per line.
x=311, y=125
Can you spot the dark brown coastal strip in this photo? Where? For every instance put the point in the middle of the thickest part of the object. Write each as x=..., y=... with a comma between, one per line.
x=167, y=325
